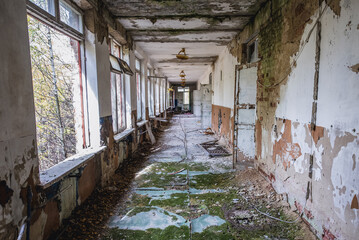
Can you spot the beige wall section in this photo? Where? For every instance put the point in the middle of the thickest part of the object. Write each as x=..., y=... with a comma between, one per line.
x=18, y=163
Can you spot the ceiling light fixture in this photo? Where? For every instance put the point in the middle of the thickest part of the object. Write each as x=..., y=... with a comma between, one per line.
x=182, y=54
x=182, y=74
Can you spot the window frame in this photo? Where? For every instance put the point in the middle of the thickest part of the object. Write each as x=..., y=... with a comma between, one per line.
x=54, y=22
x=139, y=90
x=116, y=76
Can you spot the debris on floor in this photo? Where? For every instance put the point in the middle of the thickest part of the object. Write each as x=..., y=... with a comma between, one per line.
x=208, y=131
x=214, y=149
x=197, y=198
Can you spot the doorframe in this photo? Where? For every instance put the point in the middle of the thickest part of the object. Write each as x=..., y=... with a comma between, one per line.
x=237, y=70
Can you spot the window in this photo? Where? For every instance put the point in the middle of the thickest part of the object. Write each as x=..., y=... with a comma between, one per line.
x=139, y=89
x=118, y=100
x=150, y=92
x=47, y=5
x=70, y=16
x=185, y=91
x=157, y=92
x=59, y=14
x=250, y=51
x=58, y=93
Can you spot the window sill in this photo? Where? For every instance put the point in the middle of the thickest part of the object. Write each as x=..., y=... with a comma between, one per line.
x=120, y=136
x=64, y=168
x=140, y=124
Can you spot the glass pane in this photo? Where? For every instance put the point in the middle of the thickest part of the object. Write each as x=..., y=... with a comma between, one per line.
x=115, y=65
x=138, y=87
x=47, y=5
x=70, y=17
x=138, y=64
x=115, y=49
x=120, y=100
x=114, y=103
x=57, y=95
x=186, y=98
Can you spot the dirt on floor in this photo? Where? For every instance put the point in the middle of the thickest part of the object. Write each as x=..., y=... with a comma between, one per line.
x=175, y=190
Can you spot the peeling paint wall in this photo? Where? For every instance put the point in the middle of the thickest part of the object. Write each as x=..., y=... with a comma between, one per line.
x=22, y=194
x=18, y=163
x=307, y=109
x=223, y=72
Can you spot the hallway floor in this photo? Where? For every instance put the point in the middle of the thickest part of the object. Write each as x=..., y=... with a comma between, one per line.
x=175, y=190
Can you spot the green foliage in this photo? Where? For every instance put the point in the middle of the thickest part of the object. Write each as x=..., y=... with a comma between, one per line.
x=55, y=69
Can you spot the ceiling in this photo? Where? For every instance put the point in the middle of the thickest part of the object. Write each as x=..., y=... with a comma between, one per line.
x=163, y=27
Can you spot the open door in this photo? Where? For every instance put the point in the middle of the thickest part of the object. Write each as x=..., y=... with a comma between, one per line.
x=244, y=113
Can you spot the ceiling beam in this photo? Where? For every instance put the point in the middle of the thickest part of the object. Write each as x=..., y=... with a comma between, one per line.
x=220, y=42
x=175, y=32
x=218, y=17
x=191, y=60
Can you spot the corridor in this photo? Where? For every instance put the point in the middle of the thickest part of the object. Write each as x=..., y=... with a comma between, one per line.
x=179, y=192
x=179, y=119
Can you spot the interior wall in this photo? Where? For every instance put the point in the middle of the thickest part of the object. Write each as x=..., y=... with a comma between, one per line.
x=307, y=146
x=49, y=197
x=18, y=164
x=223, y=74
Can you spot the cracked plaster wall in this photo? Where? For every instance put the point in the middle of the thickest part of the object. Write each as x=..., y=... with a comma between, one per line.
x=316, y=169
x=19, y=171
x=18, y=163
x=223, y=94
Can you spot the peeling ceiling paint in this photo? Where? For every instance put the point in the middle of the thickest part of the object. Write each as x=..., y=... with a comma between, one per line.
x=163, y=27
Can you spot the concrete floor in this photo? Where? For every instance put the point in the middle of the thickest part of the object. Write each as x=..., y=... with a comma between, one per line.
x=182, y=193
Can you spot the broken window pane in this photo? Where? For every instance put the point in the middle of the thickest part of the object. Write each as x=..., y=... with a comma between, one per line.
x=57, y=96
x=70, y=16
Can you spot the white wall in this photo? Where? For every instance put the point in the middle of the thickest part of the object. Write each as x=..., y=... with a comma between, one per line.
x=336, y=156
x=223, y=89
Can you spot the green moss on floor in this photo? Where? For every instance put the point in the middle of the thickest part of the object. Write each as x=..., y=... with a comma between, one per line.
x=160, y=180
x=212, y=181
x=170, y=232
x=223, y=232
x=179, y=200
x=214, y=202
x=276, y=230
x=138, y=200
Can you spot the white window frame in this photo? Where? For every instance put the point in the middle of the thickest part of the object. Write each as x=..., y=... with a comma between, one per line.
x=119, y=97
x=139, y=90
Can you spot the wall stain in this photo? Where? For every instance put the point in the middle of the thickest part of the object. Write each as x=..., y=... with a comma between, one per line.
x=327, y=235
x=317, y=133
x=355, y=68
x=5, y=193
x=53, y=218
x=285, y=149
x=335, y=6
x=222, y=121
x=355, y=203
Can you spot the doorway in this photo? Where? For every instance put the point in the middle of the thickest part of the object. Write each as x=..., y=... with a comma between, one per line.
x=244, y=113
